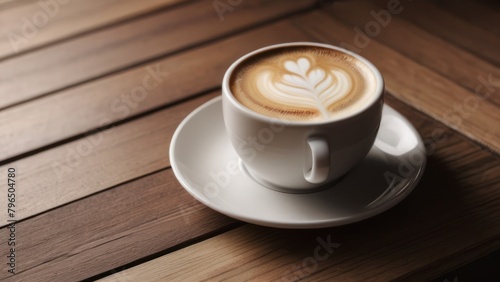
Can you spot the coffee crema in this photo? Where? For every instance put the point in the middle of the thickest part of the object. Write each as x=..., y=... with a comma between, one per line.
x=303, y=83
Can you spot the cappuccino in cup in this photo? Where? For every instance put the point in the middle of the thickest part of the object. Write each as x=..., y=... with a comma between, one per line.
x=326, y=102
x=303, y=83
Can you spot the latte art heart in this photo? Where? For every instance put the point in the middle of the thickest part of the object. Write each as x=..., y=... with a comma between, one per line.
x=302, y=83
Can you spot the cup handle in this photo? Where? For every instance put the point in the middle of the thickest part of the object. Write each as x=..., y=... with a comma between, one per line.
x=320, y=160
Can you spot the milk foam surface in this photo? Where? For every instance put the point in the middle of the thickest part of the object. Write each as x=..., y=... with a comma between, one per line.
x=303, y=83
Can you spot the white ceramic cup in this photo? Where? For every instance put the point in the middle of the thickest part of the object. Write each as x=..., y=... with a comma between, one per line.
x=299, y=156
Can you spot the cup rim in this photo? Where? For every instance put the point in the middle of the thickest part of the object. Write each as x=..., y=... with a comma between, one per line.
x=226, y=90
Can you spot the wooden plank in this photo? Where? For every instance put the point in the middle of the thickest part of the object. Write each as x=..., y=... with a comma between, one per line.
x=423, y=47
x=120, y=46
x=25, y=127
x=107, y=158
x=113, y=242
x=451, y=28
x=397, y=244
x=473, y=12
x=60, y=175
x=110, y=229
x=25, y=25
x=424, y=89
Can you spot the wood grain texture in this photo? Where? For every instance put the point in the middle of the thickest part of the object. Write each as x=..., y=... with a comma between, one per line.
x=98, y=161
x=110, y=229
x=24, y=128
x=96, y=199
x=51, y=172
x=421, y=46
x=25, y=25
x=450, y=219
x=474, y=13
x=450, y=27
x=443, y=99
x=112, y=49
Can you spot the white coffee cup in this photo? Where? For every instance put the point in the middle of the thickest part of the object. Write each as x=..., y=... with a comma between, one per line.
x=297, y=156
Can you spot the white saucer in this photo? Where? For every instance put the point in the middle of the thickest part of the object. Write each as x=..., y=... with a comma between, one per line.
x=206, y=165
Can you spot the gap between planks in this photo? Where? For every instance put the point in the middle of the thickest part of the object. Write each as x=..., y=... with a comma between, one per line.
x=65, y=21
x=121, y=199
x=62, y=153
x=115, y=49
x=404, y=241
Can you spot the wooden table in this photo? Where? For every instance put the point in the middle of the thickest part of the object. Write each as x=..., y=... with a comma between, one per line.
x=92, y=91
